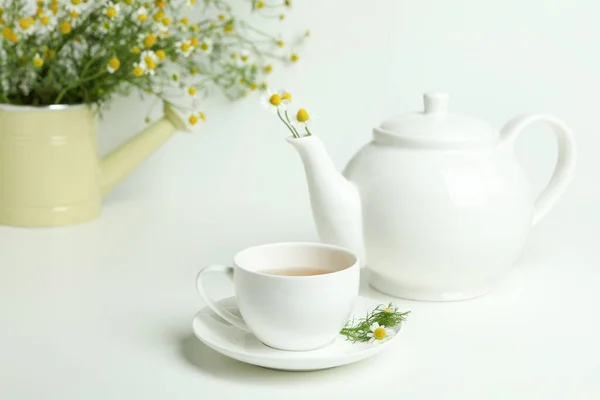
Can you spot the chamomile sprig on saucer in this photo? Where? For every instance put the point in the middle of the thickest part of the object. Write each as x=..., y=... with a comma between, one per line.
x=279, y=102
x=376, y=327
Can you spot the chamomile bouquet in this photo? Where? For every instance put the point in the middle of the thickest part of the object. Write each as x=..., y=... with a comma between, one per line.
x=87, y=51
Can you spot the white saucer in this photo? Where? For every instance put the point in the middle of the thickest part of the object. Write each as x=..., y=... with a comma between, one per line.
x=232, y=342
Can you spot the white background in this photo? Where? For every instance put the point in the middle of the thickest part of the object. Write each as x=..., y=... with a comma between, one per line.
x=103, y=310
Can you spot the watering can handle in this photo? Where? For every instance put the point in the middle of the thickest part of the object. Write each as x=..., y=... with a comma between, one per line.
x=565, y=164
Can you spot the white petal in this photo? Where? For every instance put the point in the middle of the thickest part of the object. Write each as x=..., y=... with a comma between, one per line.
x=370, y=334
x=374, y=326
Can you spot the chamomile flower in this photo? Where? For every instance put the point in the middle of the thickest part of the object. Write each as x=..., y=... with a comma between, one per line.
x=113, y=65
x=111, y=10
x=38, y=61
x=75, y=6
x=45, y=23
x=148, y=40
x=380, y=334
x=25, y=26
x=206, y=45
x=191, y=3
x=141, y=15
x=184, y=48
x=139, y=69
x=150, y=61
x=244, y=57
x=163, y=30
x=193, y=92
x=276, y=100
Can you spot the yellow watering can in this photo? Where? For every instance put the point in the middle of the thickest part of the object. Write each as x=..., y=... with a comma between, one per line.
x=50, y=172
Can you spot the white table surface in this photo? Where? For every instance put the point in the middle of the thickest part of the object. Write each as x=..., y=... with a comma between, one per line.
x=104, y=310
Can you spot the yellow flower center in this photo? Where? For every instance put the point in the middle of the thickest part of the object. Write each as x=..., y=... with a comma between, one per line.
x=114, y=63
x=138, y=71
x=194, y=41
x=244, y=58
x=74, y=14
x=142, y=17
x=161, y=54
x=388, y=309
x=260, y=4
x=287, y=97
x=268, y=68
x=202, y=116
x=44, y=20
x=379, y=333
x=128, y=2
x=65, y=27
x=282, y=17
x=161, y=4
x=166, y=21
x=76, y=2
x=136, y=50
x=10, y=35
x=185, y=21
x=221, y=17
x=302, y=115
x=38, y=62
x=228, y=28
x=158, y=16
x=253, y=86
x=192, y=91
x=294, y=57
x=280, y=43
x=38, y=12
x=204, y=46
x=185, y=47
x=275, y=99
x=54, y=8
x=193, y=120
x=111, y=12
x=193, y=70
x=26, y=23
x=150, y=40
x=150, y=63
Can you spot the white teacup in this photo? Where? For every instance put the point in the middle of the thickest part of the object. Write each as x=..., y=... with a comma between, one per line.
x=282, y=309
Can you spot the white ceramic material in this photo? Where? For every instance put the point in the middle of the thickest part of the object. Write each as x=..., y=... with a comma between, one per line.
x=243, y=346
x=290, y=312
x=436, y=204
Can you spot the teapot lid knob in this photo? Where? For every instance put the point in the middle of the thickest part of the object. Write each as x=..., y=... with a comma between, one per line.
x=436, y=103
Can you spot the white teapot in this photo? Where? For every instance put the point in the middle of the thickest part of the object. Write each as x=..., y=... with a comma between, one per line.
x=436, y=204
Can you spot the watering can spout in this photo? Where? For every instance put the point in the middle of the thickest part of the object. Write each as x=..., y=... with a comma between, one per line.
x=122, y=161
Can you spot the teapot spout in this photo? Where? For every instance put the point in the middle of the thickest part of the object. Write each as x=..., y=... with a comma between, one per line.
x=123, y=160
x=335, y=200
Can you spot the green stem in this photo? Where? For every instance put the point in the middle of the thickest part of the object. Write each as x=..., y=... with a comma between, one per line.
x=307, y=131
x=293, y=127
x=288, y=125
x=65, y=90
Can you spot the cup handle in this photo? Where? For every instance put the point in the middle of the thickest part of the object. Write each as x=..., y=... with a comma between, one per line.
x=565, y=165
x=213, y=305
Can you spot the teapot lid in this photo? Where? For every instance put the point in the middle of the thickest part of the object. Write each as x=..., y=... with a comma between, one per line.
x=435, y=125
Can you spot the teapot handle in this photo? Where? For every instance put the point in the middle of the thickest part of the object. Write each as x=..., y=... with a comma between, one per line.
x=564, y=165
